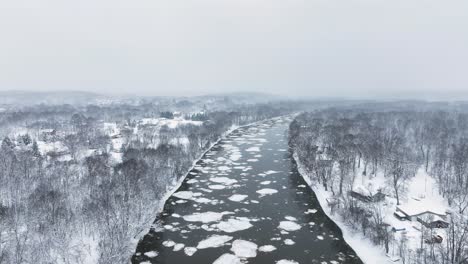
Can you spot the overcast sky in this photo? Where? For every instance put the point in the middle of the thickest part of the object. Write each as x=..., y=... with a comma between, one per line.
x=332, y=48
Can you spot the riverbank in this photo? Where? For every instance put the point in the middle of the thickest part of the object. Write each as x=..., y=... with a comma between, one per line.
x=367, y=252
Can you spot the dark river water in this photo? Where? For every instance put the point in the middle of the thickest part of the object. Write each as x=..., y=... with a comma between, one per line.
x=245, y=202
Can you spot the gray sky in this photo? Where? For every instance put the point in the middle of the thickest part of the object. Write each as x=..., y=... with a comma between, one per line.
x=357, y=48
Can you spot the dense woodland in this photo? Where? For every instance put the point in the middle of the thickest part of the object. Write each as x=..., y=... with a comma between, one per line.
x=336, y=144
x=89, y=200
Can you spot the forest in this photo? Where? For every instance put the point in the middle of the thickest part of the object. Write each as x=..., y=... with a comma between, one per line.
x=356, y=154
x=82, y=183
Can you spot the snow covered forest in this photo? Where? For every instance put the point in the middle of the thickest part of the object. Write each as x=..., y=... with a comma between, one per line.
x=393, y=175
x=81, y=183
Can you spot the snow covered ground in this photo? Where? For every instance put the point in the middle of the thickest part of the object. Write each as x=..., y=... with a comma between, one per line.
x=421, y=192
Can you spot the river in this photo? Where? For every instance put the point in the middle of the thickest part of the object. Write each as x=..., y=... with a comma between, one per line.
x=245, y=202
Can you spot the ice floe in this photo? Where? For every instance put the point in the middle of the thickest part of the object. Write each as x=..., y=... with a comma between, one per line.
x=253, y=149
x=267, y=248
x=205, y=217
x=227, y=259
x=234, y=225
x=214, y=241
x=151, y=254
x=238, y=197
x=216, y=187
x=168, y=243
x=183, y=194
x=290, y=218
x=244, y=248
x=286, y=261
x=223, y=180
x=189, y=251
x=178, y=246
x=267, y=191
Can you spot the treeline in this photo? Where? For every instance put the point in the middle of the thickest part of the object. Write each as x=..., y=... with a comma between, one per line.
x=334, y=145
x=88, y=208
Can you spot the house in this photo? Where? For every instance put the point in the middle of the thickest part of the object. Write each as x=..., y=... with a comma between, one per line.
x=400, y=216
x=362, y=196
x=432, y=221
x=422, y=209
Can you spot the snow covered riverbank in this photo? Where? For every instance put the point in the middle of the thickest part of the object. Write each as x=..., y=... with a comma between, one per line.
x=367, y=252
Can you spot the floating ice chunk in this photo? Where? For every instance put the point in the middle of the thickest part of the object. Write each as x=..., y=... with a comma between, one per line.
x=267, y=191
x=189, y=251
x=205, y=217
x=238, y=197
x=290, y=218
x=214, y=241
x=151, y=254
x=286, y=261
x=235, y=157
x=252, y=160
x=192, y=181
x=267, y=248
x=289, y=226
x=289, y=242
x=216, y=187
x=244, y=249
x=183, y=194
x=227, y=259
x=320, y=237
x=178, y=247
x=223, y=180
x=234, y=225
x=223, y=168
x=271, y=172
x=203, y=200
x=311, y=211
x=168, y=243
x=265, y=182
x=253, y=149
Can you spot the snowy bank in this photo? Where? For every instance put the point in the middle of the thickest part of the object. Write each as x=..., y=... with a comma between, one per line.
x=367, y=252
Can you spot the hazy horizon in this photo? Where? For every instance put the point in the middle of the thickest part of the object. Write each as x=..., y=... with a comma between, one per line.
x=320, y=49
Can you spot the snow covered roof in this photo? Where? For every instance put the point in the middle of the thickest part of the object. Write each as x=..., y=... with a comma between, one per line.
x=415, y=208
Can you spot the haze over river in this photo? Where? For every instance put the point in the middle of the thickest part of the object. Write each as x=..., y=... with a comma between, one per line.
x=245, y=202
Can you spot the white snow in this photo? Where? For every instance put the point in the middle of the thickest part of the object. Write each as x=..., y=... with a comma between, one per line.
x=289, y=242
x=238, y=197
x=214, y=241
x=244, y=248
